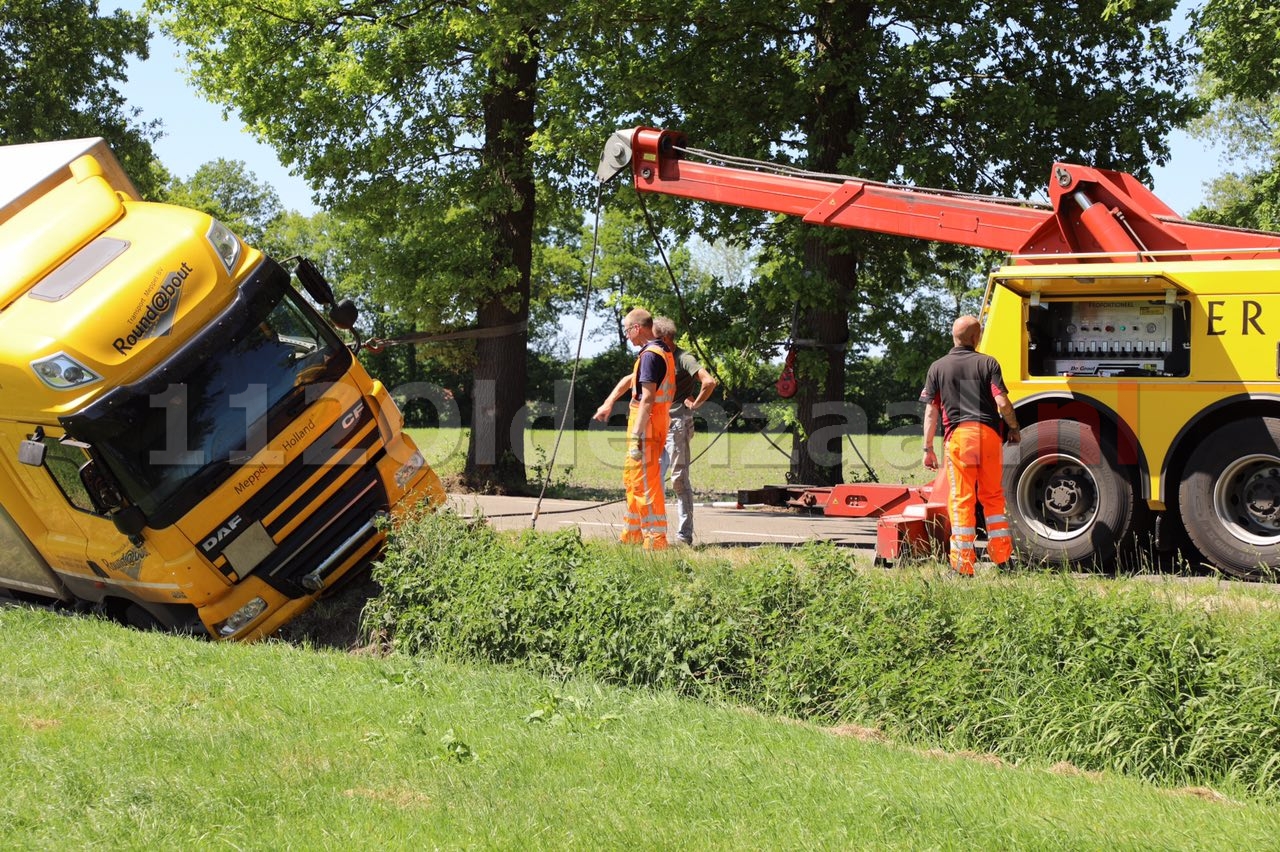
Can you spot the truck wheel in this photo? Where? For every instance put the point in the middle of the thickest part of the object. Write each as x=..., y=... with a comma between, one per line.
x=1230, y=498
x=1065, y=496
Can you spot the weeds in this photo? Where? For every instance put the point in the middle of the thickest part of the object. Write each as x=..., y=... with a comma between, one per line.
x=540, y=466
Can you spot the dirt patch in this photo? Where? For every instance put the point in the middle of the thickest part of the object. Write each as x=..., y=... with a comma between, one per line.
x=400, y=798
x=334, y=621
x=34, y=724
x=858, y=732
x=975, y=756
x=1205, y=793
x=1063, y=767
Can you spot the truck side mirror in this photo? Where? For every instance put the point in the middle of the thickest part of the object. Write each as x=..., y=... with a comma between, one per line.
x=130, y=522
x=344, y=315
x=102, y=492
x=314, y=282
x=31, y=453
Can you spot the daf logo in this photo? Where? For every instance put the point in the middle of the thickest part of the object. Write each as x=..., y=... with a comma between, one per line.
x=223, y=532
x=352, y=417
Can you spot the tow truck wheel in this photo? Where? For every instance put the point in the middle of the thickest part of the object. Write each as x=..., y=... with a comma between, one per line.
x=1230, y=498
x=1065, y=497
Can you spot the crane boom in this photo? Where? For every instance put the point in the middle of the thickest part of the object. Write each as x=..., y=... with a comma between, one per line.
x=1094, y=214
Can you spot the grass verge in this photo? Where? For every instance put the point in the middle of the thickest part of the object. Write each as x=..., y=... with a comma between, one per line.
x=1117, y=675
x=124, y=740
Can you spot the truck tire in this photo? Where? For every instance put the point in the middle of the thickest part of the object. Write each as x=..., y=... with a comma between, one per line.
x=1066, y=498
x=1229, y=498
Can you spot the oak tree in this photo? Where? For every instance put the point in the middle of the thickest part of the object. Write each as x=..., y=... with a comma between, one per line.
x=422, y=120
x=978, y=97
x=1240, y=48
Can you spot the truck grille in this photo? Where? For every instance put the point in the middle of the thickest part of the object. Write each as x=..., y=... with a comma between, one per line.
x=335, y=526
x=342, y=523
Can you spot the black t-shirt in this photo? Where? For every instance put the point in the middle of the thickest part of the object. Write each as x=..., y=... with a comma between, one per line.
x=964, y=383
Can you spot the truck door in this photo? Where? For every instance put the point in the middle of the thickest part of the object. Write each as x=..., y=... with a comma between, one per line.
x=84, y=546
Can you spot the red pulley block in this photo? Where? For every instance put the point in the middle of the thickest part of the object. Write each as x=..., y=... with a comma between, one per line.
x=786, y=383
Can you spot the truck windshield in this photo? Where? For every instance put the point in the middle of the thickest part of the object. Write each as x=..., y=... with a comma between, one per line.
x=173, y=438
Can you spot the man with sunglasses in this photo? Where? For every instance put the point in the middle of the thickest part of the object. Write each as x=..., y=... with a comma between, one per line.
x=653, y=384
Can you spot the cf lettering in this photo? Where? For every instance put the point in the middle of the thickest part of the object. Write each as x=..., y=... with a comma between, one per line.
x=352, y=417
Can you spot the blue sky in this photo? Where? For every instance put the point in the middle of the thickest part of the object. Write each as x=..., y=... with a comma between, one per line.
x=194, y=129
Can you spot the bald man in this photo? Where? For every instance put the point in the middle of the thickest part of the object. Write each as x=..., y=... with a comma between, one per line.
x=965, y=390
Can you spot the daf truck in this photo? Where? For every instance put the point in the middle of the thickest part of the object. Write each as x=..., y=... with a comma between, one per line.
x=185, y=441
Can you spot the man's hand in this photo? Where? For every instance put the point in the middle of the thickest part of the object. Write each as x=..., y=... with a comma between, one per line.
x=691, y=404
x=634, y=450
x=603, y=412
x=1014, y=436
x=930, y=460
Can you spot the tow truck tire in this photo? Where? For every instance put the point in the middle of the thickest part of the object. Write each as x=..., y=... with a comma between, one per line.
x=1066, y=498
x=1229, y=498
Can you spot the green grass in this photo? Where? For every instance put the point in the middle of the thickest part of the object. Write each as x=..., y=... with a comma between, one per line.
x=117, y=739
x=1133, y=676
x=590, y=462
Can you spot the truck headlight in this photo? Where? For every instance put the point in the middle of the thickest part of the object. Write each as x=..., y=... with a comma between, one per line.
x=241, y=617
x=225, y=244
x=407, y=470
x=62, y=372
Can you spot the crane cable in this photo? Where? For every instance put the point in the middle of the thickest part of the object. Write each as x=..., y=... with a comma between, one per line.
x=684, y=312
x=582, y=329
x=577, y=358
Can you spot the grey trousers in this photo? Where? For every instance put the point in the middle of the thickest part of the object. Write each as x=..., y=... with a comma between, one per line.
x=676, y=457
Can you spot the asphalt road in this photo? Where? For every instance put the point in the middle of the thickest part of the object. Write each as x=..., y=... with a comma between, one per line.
x=714, y=524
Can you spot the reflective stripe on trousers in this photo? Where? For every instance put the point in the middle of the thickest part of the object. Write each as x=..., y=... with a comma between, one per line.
x=974, y=457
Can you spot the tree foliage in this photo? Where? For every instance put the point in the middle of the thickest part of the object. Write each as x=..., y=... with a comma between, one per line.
x=979, y=97
x=429, y=121
x=420, y=118
x=61, y=63
x=231, y=193
x=1240, y=46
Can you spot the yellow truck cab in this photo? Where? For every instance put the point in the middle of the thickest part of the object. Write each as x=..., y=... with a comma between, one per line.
x=184, y=440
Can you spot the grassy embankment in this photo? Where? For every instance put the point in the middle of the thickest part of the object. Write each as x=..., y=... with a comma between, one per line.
x=115, y=739
x=1170, y=680
x=1016, y=711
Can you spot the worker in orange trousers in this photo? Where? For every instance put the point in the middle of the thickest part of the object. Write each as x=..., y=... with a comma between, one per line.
x=965, y=390
x=653, y=388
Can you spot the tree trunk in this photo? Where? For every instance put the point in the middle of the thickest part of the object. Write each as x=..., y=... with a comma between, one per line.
x=817, y=449
x=495, y=455
x=829, y=255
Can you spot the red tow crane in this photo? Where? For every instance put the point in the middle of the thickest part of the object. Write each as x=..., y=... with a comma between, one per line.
x=1094, y=216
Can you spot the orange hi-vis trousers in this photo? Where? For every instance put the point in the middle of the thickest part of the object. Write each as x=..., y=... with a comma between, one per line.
x=974, y=458
x=645, y=518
